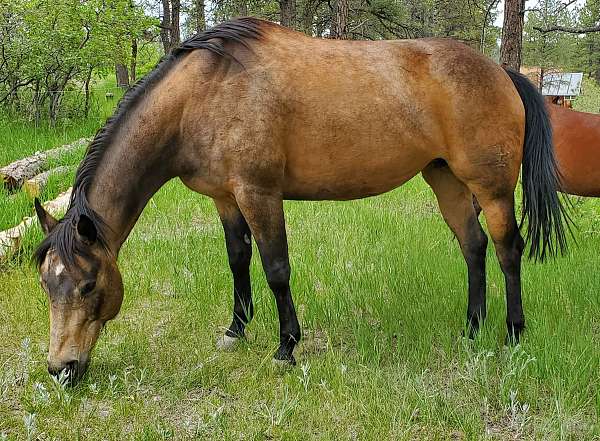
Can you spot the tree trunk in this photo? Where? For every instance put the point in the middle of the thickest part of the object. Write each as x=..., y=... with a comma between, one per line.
x=88, y=78
x=512, y=34
x=199, y=16
x=175, y=31
x=339, y=25
x=165, y=26
x=133, y=65
x=287, y=9
x=308, y=16
x=15, y=174
x=37, y=103
x=122, y=75
x=54, y=105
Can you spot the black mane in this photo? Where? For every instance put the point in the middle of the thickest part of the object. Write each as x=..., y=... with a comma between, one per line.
x=62, y=237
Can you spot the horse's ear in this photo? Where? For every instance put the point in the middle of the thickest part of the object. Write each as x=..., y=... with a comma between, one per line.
x=86, y=230
x=46, y=220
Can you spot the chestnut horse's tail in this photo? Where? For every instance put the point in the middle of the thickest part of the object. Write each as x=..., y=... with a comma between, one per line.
x=546, y=216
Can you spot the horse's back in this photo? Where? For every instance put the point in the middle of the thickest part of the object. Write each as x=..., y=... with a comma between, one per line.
x=348, y=119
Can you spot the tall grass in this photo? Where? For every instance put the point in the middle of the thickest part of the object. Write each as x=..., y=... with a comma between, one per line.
x=380, y=288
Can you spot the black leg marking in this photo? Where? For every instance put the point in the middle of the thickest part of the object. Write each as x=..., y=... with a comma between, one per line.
x=510, y=260
x=239, y=251
x=264, y=213
x=474, y=251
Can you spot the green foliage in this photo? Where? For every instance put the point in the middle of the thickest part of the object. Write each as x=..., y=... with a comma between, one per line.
x=589, y=100
x=589, y=45
x=559, y=50
x=51, y=48
x=554, y=49
x=382, y=19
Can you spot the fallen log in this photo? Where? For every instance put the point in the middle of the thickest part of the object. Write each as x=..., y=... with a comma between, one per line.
x=15, y=174
x=34, y=186
x=10, y=240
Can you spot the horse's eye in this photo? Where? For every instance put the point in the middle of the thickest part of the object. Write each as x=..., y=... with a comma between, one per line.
x=87, y=287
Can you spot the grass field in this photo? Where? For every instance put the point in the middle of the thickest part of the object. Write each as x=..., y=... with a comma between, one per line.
x=380, y=287
x=20, y=138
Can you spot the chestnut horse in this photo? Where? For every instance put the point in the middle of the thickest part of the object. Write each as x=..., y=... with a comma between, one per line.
x=577, y=149
x=251, y=113
x=576, y=137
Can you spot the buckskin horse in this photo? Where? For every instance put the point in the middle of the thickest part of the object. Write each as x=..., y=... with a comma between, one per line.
x=250, y=113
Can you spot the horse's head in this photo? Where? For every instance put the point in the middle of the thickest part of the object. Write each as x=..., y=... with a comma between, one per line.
x=83, y=294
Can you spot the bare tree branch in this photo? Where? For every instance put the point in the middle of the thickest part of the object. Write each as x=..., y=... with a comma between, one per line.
x=564, y=6
x=588, y=30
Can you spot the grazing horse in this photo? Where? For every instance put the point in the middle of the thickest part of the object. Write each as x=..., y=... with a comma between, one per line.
x=577, y=150
x=250, y=113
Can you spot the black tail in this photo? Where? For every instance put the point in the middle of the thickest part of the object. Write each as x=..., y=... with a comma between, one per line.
x=546, y=216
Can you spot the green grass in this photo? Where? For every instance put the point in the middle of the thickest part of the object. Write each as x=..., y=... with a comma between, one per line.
x=20, y=138
x=380, y=289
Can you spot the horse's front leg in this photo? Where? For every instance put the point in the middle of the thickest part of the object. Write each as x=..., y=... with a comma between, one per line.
x=239, y=252
x=263, y=210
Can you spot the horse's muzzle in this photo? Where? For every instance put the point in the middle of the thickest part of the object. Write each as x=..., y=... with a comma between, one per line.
x=72, y=371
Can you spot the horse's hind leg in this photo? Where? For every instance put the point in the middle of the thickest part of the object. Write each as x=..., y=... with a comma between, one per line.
x=455, y=202
x=263, y=209
x=239, y=252
x=499, y=212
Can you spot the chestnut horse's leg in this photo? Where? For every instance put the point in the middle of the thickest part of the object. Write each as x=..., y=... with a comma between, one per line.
x=263, y=210
x=502, y=225
x=455, y=201
x=239, y=252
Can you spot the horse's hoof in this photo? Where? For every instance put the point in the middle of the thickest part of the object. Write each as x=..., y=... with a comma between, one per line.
x=284, y=358
x=511, y=340
x=284, y=364
x=227, y=343
x=469, y=334
x=513, y=337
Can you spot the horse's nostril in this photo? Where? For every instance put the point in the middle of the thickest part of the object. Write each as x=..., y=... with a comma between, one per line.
x=72, y=366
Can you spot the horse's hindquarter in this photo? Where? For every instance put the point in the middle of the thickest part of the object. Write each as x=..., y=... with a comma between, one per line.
x=359, y=120
x=577, y=147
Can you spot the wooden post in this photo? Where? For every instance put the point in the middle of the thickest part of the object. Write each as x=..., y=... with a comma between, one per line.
x=10, y=240
x=34, y=186
x=15, y=174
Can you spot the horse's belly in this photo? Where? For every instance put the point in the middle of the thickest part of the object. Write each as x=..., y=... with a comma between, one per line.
x=350, y=177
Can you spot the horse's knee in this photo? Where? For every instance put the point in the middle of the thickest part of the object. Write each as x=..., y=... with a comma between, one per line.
x=239, y=258
x=476, y=246
x=278, y=275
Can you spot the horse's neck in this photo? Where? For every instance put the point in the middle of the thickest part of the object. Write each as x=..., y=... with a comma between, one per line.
x=139, y=161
